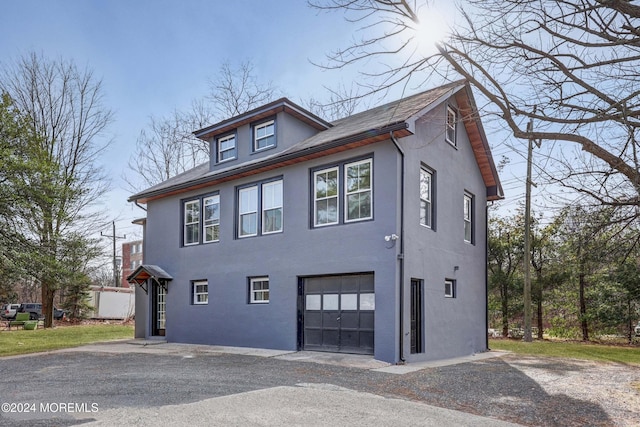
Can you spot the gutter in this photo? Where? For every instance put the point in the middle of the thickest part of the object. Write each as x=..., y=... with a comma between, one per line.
x=401, y=254
x=272, y=161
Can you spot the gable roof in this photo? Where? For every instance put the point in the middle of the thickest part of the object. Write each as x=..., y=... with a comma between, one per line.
x=377, y=124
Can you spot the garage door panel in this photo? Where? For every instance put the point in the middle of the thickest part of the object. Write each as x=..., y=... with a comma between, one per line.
x=313, y=319
x=367, y=320
x=350, y=320
x=330, y=338
x=313, y=337
x=366, y=340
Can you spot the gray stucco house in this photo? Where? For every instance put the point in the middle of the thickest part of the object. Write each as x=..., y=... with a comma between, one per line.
x=365, y=235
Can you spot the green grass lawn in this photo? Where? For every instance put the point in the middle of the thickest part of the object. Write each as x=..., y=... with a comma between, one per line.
x=21, y=342
x=575, y=350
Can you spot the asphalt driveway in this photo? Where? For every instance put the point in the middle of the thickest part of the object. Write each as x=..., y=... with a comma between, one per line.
x=119, y=384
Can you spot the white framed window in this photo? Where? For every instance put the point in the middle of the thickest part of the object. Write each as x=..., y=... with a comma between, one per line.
x=468, y=218
x=358, y=193
x=192, y=222
x=264, y=135
x=226, y=148
x=272, y=207
x=325, y=189
x=259, y=290
x=211, y=219
x=426, y=197
x=133, y=249
x=450, y=131
x=200, y=292
x=132, y=266
x=260, y=209
x=248, y=211
x=449, y=288
x=343, y=193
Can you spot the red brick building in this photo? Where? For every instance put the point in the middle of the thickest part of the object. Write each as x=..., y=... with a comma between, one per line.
x=131, y=259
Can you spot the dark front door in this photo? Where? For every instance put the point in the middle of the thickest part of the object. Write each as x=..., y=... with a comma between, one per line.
x=338, y=313
x=158, y=309
x=416, y=316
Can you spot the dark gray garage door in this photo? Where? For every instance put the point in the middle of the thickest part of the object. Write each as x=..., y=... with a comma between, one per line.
x=338, y=313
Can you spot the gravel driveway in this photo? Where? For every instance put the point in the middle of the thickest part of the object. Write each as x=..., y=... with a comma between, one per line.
x=522, y=390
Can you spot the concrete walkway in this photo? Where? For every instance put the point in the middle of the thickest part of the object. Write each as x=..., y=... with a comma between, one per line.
x=339, y=359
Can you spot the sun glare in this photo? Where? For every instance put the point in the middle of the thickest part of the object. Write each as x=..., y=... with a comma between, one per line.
x=432, y=28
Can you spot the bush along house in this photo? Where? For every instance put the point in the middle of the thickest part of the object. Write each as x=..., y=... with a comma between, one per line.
x=365, y=235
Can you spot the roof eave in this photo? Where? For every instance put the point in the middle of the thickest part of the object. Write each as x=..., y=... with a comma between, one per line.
x=282, y=104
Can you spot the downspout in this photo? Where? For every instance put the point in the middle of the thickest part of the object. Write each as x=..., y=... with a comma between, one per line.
x=140, y=206
x=401, y=254
x=486, y=275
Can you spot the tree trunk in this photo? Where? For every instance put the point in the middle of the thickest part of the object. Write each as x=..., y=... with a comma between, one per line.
x=583, y=309
x=504, y=299
x=47, y=304
x=540, y=315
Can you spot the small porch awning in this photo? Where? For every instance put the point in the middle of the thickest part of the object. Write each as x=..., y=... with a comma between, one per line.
x=145, y=272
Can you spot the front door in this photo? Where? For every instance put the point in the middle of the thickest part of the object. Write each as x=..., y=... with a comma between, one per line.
x=159, y=309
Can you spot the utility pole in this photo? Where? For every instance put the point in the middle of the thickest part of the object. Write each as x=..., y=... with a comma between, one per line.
x=115, y=265
x=527, y=240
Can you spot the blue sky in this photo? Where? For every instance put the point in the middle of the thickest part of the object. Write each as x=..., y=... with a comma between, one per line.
x=156, y=56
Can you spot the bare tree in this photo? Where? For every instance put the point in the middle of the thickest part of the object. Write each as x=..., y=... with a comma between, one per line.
x=65, y=111
x=167, y=146
x=343, y=101
x=571, y=66
x=236, y=91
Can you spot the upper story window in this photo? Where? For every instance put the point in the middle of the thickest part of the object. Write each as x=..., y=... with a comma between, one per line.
x=426, y=197
x=468, y=218
x=264, y=135
x=226, y=148
x=201, y=219
x=356, y=199
x=450, y=132
x=211, y=219
x=192, y=222
x=358, y=191
x=260, y=208
x=326, y=197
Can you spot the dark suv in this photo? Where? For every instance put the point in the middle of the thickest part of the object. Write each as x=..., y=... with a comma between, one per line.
x=35, y=311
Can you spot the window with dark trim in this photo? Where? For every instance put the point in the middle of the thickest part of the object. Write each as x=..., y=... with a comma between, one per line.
x=191, y=222
x=226, y=148
x=468, y=218
x=426, y=197
x=264, y=135
x=201, y=220
x=450, y=131
x=259, y=290
x=260, y=208
x=347, y=188
x=200, y=290
x=449, y=288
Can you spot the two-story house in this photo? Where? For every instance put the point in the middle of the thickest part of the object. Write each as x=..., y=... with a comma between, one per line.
x=365, y=235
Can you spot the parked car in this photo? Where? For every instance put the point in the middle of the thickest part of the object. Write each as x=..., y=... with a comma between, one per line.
x=35, y=310
x=8, y=311
x=638, y=329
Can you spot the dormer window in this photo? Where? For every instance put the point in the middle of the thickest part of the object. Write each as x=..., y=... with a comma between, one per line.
x=264, y=135
x=226, y=148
